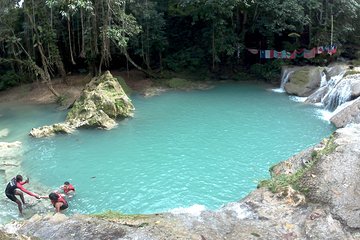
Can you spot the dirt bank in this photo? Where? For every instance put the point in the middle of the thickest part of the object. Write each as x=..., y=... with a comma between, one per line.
x=38, y=93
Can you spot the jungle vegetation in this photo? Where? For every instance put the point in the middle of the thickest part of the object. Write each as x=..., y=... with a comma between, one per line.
x=44, y=39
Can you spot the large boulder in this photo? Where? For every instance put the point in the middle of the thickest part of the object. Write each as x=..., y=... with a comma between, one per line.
x=347, y=113
x=102, y=101
x=304, y=81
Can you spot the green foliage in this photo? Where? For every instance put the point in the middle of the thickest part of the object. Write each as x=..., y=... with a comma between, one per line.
x=191, y=59
x=244, y=76
x=9, y=79
x=329, y=147
x=270, y=71
x=173, y=34
x=279, y=182
x=152, y=40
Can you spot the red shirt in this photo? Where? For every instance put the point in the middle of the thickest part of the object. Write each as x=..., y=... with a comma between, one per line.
x=19, y=185
x=60, y=199
x=68, y=188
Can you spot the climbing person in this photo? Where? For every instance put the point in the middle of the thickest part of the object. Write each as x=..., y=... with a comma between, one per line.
x=58, y=201
x=15, y=187
x=68, y=188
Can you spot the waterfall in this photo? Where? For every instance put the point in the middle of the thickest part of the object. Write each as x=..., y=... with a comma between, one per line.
x=286, y=73
x=339, y=92
x=323, y=82
x=285, y=77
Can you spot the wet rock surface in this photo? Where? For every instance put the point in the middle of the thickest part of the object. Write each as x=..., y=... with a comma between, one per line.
x=347, y=114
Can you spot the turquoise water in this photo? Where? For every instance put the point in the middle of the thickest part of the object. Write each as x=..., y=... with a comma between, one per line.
x=180, y=149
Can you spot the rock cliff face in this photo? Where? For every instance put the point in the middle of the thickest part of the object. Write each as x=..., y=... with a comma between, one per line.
x=315, y=197
x=102, y=102
x=348, y=113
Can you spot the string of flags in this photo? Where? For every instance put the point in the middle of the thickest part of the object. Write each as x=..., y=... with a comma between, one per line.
x=301, y=53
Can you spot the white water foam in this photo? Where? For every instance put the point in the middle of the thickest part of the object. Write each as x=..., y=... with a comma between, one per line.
x=297, y=99
x=278, y=90
x=194, y=210
x=324, y=114
x=241, y=210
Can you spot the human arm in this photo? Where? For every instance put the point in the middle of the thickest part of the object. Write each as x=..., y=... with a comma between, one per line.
x=58, y=206
x=26, y=181
x=19, y=186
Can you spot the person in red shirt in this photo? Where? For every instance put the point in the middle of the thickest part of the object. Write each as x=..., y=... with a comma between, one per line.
x=58, y=201
x=13, y=188
x=68, y=188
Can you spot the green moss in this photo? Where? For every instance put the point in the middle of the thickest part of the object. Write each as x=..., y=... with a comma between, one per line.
x=178, y=83
x=351, y=72
x=279, y=182
x=329, y=147
x=114, y=215
x=119, y=104
x=300, y=77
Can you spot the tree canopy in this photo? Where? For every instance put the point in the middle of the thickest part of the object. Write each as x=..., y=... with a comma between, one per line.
x=41, y=39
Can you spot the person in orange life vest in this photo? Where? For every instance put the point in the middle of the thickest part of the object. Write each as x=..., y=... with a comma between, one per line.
x=58, y=201
x=68, y=188
x=13, y=188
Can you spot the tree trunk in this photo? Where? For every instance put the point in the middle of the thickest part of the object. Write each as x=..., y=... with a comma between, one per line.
x=137, y=66
x=60, y=66
x=213, y=47
x=82, y=51
x=70, y=43
x=44, y=71
x=105, y=49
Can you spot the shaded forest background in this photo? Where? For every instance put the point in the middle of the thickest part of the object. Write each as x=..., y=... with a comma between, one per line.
x=44, y=39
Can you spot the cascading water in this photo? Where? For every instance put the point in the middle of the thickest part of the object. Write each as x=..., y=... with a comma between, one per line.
x=323, y=82
x=285, y=77
x=339, y=92
x=334, y=90
x=286, y=73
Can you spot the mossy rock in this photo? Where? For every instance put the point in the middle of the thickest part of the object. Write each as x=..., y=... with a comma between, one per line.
x=102, y=101
x=304, y=81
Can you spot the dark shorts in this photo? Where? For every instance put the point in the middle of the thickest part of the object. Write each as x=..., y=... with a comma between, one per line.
x=64, y=206
x=11, y=197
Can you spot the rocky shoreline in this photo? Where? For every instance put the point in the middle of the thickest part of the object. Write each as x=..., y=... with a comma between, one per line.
x=312, y=195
